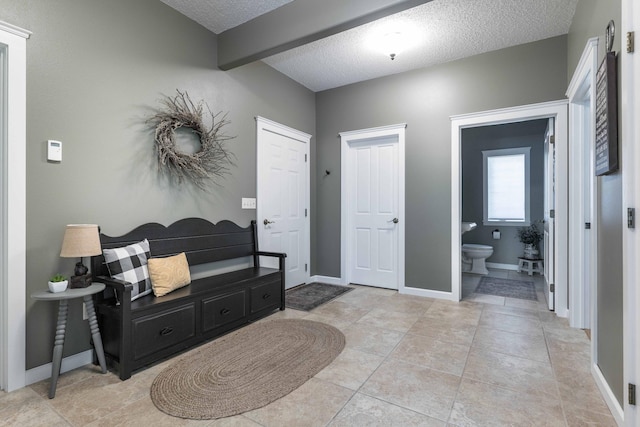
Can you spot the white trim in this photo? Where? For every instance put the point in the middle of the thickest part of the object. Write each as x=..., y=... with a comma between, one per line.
x=69, y=363
x=512, y=267
x=427, y=293
x=16, y=31
x=607, y=394
x=557, y=109
x=327, y=279
x=347, y=138
x=13, y=276
x=266, y=125
x=582, y=89
x=630, y=166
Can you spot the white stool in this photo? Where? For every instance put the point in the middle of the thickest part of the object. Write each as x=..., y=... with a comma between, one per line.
x=531, y=265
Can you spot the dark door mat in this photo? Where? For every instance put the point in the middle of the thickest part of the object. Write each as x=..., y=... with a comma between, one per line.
x=309, y=296
x=520, y=289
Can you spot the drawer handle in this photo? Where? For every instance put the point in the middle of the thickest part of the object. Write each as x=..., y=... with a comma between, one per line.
x=166, y=331
x=225, y=311
x=266, y=296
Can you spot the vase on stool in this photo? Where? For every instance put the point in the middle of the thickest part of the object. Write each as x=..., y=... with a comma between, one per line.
x=530, y=251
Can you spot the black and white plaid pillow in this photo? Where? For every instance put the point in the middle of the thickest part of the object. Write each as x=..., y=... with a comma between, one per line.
x=130, y=264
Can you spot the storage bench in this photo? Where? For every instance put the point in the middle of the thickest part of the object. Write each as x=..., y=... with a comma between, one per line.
x=141, y=332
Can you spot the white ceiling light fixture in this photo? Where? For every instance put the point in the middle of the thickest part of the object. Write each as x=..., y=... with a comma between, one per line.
x=391, y=40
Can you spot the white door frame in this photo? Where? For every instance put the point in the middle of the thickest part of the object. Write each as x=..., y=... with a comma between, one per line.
x=346, y=138
x=630, y=159
x=581, y=122
x=13, y=230
x=556, y=109
x=266, y=125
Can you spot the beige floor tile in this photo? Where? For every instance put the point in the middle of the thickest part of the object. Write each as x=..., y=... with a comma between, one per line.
x=67, y=379
x=453, y=331
x=371, y=339
x=510, y=323
x=341, y=324
x=392, y=320
x=142, y=413
x=288, y=313
x=368, y=298
x=523, y=303
x=528, y=347
x=514, y=311
x=314, y=403
x=580, y=417
x=237, y=421
x=515, y=373
x=480, y=404
x=413, y=387
x=581, y=393
x=408, y=304
x=351, y=368
x=25, y=407
x=96, y=397
x=341, y=310
x=487, y=299
x=365, y=411
x=432, y=353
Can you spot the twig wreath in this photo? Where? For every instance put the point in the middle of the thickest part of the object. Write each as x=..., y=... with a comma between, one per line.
x=213, y=158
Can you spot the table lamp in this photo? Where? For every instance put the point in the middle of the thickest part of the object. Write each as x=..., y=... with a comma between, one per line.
x=80, y=240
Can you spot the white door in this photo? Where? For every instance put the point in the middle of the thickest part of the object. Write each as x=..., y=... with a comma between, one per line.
x=549, y=214
x=374, y=212
x=283, y=198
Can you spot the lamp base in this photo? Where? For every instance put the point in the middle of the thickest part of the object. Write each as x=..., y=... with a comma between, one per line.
x=82, y=281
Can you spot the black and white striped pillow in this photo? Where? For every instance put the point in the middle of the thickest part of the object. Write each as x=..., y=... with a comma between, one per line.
x=129, y=263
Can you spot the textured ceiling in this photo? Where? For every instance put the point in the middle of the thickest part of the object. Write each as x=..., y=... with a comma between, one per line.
x=220, y=15
x=440, y=31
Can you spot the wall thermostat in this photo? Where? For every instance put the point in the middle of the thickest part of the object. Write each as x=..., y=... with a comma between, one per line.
x=54, y=151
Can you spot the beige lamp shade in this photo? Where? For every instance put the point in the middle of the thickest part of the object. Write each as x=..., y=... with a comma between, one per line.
x=80, y=240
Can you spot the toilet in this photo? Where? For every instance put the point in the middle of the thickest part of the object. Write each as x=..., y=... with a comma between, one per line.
x=473, y=257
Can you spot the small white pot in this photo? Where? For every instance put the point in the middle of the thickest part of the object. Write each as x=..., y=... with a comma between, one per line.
x=58, y=286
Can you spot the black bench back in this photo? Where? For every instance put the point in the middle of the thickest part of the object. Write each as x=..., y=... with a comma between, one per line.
x=202, y=241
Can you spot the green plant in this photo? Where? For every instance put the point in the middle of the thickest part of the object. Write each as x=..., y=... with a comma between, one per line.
x=530, y=235
x=58, y=278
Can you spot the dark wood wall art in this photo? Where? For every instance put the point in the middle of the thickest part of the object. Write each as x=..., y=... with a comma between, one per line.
x=607, y=111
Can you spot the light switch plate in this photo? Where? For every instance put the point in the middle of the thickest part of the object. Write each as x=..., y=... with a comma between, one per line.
x=248, y=203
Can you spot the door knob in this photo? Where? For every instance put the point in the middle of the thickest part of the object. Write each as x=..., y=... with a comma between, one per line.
x=267, y=222
x=394, y=220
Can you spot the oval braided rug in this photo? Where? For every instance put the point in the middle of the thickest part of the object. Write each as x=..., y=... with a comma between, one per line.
x=246, y=369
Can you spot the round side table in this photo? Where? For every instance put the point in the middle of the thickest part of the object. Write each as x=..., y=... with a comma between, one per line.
x=87, y=295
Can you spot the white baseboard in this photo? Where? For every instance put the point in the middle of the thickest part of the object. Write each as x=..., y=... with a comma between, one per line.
x=499, y=266
x=607, y=394
x=69, y=363
x=326, y=279
x=428, y=293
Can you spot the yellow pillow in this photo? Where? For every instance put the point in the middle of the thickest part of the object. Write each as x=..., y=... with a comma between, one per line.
x=168, y=274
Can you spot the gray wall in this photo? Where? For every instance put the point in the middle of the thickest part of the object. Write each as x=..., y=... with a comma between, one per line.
x=590, y=20
x=95, y=71
x=508, y=248
x=425, y=99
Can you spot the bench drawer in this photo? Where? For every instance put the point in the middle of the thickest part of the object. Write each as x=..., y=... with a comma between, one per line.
x=162, y=330
x=221, y=310
x=265, y=296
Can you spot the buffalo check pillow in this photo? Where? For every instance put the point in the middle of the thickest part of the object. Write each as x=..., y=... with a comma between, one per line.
x=130, y=264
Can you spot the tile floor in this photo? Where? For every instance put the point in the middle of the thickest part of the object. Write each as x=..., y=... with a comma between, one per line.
x=409, y=361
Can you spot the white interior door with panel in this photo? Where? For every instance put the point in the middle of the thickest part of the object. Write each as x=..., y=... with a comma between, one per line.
x=283, y=197
x=549, y=214
x=373, y=208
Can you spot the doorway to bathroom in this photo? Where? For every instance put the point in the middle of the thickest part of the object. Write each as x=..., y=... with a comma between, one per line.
x=511, y=116
x=503, y=193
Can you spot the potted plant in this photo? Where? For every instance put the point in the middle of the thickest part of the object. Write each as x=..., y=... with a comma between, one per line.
x=58, y=283
x=530, y=236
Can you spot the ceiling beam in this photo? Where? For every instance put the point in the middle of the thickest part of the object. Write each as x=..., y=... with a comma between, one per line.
x=298, y=23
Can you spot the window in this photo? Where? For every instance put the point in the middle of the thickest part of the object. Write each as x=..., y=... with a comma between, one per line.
x=506, y=186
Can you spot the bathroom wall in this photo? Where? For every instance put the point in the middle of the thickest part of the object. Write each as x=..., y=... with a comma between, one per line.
x=474, y=141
